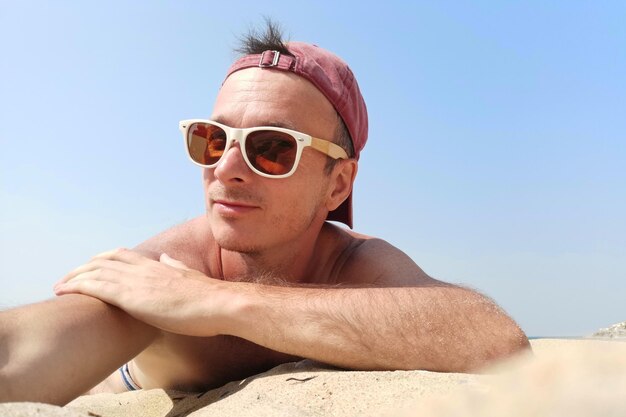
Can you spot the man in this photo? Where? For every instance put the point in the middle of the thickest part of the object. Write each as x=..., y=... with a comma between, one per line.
x=262, y=278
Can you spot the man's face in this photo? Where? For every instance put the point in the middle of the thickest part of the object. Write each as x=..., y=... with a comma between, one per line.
x=250, y=213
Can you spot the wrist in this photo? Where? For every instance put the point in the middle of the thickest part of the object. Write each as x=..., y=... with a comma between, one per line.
x=241, y=313
x=232, y=302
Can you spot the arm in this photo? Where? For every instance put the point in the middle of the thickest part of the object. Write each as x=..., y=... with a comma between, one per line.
x=393, y=317
x=56, y=350
x=400, y=318
x=438, y=328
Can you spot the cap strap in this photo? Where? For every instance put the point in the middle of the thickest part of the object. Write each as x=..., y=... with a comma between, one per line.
x=269, y=59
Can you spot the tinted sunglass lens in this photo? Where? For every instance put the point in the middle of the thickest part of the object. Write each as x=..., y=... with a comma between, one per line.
x=271, y=152
x=206, y=143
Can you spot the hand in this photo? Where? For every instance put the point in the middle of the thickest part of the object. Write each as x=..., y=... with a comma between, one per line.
x=165, y=294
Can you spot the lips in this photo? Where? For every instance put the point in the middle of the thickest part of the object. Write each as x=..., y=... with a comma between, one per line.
x=230, y=208
x=233, y=202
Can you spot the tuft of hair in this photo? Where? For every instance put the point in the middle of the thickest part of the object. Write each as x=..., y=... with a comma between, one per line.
x=343, y=139
x=269, y=39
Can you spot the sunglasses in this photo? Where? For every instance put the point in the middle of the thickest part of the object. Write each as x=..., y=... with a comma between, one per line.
x=272, y=152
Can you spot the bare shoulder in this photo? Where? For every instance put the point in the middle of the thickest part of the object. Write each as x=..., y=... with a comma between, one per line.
x=370, y=260
x=190, y=242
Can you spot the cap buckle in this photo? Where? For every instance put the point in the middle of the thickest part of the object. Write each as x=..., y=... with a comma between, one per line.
x=271, y=61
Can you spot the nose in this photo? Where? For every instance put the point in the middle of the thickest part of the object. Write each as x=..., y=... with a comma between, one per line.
x=232, y=167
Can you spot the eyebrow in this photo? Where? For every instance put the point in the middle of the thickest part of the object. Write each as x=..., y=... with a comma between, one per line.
x=270, y=123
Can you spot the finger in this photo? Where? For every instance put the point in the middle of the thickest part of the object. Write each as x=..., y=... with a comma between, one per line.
x=96, y=274
x=104, y=290
x=93, y=265
x=121, y=255
x=168, y=260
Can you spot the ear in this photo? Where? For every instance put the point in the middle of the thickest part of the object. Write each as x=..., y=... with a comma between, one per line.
x=341, y=180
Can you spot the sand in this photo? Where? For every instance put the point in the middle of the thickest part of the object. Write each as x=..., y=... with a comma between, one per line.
x=563, y=378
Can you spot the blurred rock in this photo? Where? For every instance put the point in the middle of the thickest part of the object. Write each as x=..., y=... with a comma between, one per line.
x=616, y=331
x=572, y=379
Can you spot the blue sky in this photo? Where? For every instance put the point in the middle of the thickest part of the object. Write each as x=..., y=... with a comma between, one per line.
x=496, y=154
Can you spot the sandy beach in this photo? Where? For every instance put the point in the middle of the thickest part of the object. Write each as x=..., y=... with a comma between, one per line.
x=563, y=377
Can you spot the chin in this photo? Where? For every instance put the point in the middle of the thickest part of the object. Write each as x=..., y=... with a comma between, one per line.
x=233, y=244
x=234, y=236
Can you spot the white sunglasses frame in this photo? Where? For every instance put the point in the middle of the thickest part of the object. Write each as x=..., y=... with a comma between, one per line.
x=234, y=134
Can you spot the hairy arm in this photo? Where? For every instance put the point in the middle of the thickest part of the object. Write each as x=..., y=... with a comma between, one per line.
x=56, y=350
x=438, y=328
x=387, y=314
x=395, y=318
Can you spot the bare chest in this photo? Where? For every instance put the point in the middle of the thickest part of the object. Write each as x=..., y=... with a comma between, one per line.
x=199, y=364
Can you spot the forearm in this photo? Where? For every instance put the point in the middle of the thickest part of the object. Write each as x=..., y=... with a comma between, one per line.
x=439, y=328
x=56, y=350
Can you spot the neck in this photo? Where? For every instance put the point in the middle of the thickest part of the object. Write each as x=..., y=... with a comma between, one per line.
x=290, y=262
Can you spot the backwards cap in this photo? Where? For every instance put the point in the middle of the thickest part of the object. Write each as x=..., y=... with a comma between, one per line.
x=333, y=78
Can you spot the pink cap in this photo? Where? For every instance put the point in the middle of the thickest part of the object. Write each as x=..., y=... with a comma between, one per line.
x=332, y=76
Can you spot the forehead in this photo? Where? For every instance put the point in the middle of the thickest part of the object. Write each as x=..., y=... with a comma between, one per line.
x=256, y=97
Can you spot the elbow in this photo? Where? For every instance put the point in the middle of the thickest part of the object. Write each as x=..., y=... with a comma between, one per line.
x=514, y=340
x=518, y=343
x=510, y=342
x=498, y=337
